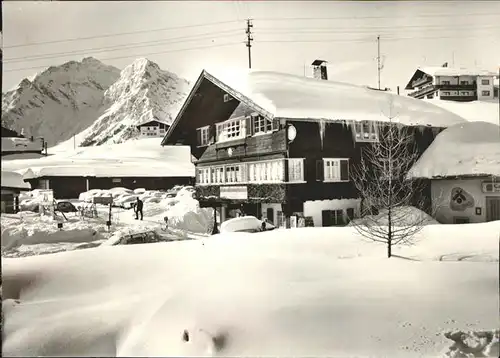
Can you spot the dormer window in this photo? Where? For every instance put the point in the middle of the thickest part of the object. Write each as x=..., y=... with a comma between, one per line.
x=227, y=97
x=365, y=131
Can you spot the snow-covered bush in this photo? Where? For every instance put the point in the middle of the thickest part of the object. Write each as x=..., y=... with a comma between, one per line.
x=473, y=344
x=401, y=216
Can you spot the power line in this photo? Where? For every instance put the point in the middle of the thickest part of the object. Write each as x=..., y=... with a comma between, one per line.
x=351, y=18
x=370, y=39
x=123, y=46
x=137, y=55
x=371, y=29
x=121, y=34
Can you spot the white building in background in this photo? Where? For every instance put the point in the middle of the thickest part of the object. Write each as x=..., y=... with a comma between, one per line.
x=452, y=84
x=155, y=128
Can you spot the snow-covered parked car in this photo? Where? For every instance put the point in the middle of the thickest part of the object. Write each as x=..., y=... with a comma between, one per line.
x=245, y=224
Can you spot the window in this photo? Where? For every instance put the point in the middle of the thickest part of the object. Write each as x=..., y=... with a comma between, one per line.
x=464, y=82
x=231, y=129
x=445, y=93
x=333, y=217
x=464, y=93
x=334, y=170
x=485, y=93
x=445, y=82
x=227, y=97
x=461, y=220
x=203, y=175
x=203, y=136
x=365, y=131
x=349, y=215
x=43, y=184
x=261, y=124
x=485, y=82
x=296, y=170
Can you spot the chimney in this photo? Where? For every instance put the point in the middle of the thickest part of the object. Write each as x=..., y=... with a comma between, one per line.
x=320, y=70
x=445, y=64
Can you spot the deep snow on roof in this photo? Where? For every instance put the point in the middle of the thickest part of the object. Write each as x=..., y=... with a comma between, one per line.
x=474, y=111
x=450, y=71
x=14, y=180
x=471, y=149
x=290, y=96
x=135, y=158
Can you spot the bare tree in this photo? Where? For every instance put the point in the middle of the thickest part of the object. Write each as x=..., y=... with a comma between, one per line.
x=381, y=180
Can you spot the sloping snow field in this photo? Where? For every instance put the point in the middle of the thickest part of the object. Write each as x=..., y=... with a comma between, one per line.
x=296, y=292
x=475, y=111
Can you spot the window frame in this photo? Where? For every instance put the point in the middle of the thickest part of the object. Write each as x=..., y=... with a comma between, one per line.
x=291, y=163
x=204, y=130
x=328, y=163
x=361, y=135
x=485, y=82
x=486, y=95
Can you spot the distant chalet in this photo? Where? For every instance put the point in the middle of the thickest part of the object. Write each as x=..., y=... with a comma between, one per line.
x=453, y=84
x=154, y=128
x=280, y=146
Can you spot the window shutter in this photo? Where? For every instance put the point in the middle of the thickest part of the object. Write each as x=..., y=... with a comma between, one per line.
x=276, y=123
x=211, y=134
x=249, y=126
x=344, y=169
x=319, y=170
x=198, y=137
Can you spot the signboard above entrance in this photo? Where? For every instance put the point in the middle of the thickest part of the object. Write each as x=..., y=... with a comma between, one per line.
x=234, y=192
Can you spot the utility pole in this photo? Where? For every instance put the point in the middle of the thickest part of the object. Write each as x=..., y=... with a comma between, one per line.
x=378, y=60
x=249, y=41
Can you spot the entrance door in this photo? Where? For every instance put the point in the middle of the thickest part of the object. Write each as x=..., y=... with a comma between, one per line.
x=492, y=208
x=270, y=215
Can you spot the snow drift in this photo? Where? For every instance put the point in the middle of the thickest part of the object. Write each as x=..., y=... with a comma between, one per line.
x=464, y=149
x=14, y=180
x=301, y=292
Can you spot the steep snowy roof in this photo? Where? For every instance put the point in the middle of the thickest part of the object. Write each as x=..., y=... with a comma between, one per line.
x=450, y=71
x=135, y=158
x=14, y=180
x=469, y=149
x=290, y=96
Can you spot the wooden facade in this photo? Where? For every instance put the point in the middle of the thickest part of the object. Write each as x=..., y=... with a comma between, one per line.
x=229, y=169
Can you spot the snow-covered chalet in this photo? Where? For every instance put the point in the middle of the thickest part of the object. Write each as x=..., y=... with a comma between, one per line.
x=463, y=166
x=280, y=146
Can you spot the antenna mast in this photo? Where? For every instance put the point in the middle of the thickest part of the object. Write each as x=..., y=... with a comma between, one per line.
x=379, y=67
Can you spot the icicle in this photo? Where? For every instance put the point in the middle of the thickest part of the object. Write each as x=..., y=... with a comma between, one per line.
x=322, y=131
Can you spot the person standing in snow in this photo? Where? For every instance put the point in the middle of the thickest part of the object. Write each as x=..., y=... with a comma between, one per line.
x=138, y=208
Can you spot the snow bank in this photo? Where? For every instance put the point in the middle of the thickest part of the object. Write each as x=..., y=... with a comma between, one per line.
x=300, y=292
x=474, y=111
x=14, y=180
x=401, y=216
x=290, y=96
x=464, y=149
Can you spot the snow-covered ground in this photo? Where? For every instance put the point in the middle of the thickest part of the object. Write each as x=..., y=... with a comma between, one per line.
x=141, y=157
x=27, y=233
x=298, y=292
x=475, y=111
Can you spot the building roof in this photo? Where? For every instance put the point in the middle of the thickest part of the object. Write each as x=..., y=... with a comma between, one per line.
x=168, y=123
x=467, y=149
x=21, y=144
x=450, y=71
x=282, y=95
x=135, y=158
x=14, y=180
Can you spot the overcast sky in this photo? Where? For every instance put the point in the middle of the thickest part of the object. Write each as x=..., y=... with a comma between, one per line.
x=413, y=34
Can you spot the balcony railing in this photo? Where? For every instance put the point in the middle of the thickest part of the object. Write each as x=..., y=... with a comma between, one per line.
x=456, y=87
x=421, y=81
x=422, y=91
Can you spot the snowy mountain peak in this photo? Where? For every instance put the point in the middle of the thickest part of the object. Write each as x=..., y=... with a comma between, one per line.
x=144, y=92
x=59, y=101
